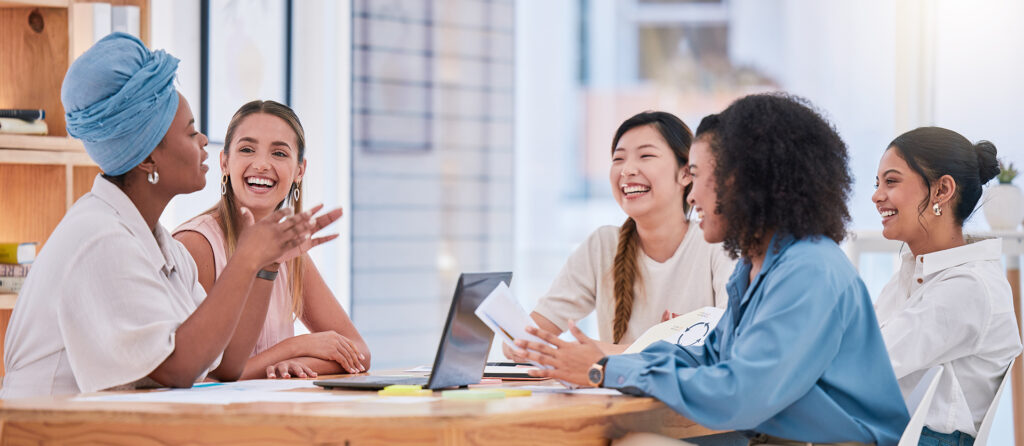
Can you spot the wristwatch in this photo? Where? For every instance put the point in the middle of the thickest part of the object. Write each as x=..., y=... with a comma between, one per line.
x=266, y=274
x=596, y=373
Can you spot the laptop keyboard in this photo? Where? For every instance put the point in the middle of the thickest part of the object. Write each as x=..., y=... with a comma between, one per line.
x=411, y=380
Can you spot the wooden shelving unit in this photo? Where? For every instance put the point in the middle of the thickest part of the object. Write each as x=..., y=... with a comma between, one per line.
x=40, y=176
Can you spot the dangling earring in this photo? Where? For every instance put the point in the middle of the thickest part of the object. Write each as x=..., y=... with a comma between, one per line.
x=936, y=209
x=224, y=184
x=153, y=177
x=295, y=192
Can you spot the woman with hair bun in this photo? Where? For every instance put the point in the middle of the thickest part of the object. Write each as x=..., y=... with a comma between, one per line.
x=949, y=304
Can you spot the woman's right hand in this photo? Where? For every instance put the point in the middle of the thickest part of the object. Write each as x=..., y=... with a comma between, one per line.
x=331, y=346
x=510, y=353
x=266, y=241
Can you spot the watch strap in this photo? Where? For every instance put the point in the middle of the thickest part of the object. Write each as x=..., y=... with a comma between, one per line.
x=267, y=275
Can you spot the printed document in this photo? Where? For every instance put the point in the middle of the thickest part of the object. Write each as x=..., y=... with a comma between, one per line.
x=689, y=329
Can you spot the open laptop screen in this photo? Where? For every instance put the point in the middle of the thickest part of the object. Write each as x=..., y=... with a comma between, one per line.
x=465, y=342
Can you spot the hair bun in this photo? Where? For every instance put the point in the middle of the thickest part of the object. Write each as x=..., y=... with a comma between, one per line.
x=988, y=166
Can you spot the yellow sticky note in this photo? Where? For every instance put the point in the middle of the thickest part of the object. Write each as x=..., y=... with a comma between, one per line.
x=516, y=392
x=404, y=390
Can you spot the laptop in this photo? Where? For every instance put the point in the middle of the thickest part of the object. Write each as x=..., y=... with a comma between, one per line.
x=462, y=352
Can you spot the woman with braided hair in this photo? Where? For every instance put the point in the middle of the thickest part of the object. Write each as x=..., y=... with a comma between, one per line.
x=656, y=264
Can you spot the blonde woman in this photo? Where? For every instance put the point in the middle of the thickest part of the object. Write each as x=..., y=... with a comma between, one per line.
x=263, y=163
x=113, y=302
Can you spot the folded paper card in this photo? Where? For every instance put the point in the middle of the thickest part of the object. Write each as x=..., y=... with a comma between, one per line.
x=503, y=314
x=688, y=329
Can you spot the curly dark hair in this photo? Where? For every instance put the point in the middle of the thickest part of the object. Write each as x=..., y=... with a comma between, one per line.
x=780, y=167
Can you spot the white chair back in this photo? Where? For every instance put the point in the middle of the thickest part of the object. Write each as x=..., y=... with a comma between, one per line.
x=990, y=414
x=918, y=403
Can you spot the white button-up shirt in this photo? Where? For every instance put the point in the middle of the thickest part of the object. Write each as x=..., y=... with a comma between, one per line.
x=952, y=308
x=100, y=307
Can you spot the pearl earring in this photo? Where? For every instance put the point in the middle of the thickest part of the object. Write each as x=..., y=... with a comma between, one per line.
x=936, y=209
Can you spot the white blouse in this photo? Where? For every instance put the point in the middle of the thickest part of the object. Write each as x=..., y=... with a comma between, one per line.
x=100, y=307
x=694, y=277
x=952, y=308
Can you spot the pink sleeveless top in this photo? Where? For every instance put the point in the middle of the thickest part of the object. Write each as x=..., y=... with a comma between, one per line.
x=279, y=324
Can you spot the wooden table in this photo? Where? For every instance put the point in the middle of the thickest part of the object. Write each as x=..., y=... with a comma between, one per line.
x=1013, y=249
x=549, y=419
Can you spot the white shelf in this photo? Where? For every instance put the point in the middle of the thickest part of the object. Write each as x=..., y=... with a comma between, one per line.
x=35, y=142
x=14, y=156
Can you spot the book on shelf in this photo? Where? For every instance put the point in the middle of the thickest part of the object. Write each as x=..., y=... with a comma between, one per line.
x=17, y=252
x=9, y=284
x=22, y=127
x=23, y=114
x=10, y=270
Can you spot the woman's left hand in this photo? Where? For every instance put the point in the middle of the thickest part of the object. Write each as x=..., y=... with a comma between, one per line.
x=570, y=361
x=289, y=368
x=319, y=223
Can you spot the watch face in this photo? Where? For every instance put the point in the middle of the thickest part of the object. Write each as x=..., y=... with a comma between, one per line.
x=594, y=375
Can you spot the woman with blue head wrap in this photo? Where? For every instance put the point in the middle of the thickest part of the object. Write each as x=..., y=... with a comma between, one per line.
x=123, y=294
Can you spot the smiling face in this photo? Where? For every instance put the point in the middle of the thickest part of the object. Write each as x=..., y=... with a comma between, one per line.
x=898, y=196
x=262, y=161
x=704, y=195
x=178, y=159
x=645, y=177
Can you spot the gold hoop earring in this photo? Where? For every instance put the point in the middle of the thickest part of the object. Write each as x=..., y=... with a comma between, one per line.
x=153, y=177
x=295, y=192
x=224, y=184
x=936, y=209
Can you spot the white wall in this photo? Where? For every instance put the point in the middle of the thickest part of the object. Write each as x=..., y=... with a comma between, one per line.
x=547, y=114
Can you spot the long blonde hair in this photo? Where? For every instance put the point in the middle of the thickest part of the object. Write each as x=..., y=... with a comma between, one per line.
x=625, y=267
x=227, y=208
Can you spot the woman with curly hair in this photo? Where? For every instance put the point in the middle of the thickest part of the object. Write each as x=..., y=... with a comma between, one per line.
x=950, y=303
x=798, y=357
x=657, y=263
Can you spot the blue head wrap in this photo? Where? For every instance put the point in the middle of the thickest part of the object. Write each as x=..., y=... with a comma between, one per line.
x=120, y=100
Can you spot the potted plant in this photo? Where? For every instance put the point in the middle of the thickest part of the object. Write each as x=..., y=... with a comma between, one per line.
x=1004, y=202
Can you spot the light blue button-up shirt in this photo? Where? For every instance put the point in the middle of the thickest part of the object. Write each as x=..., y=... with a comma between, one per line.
x=798, y=355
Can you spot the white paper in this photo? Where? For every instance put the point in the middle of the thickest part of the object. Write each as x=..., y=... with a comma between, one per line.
x=689, y=329
x=502, y=313
x=259, y=390
x=509, y=370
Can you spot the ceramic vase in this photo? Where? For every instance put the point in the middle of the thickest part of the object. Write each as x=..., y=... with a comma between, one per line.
x=1004, y=207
